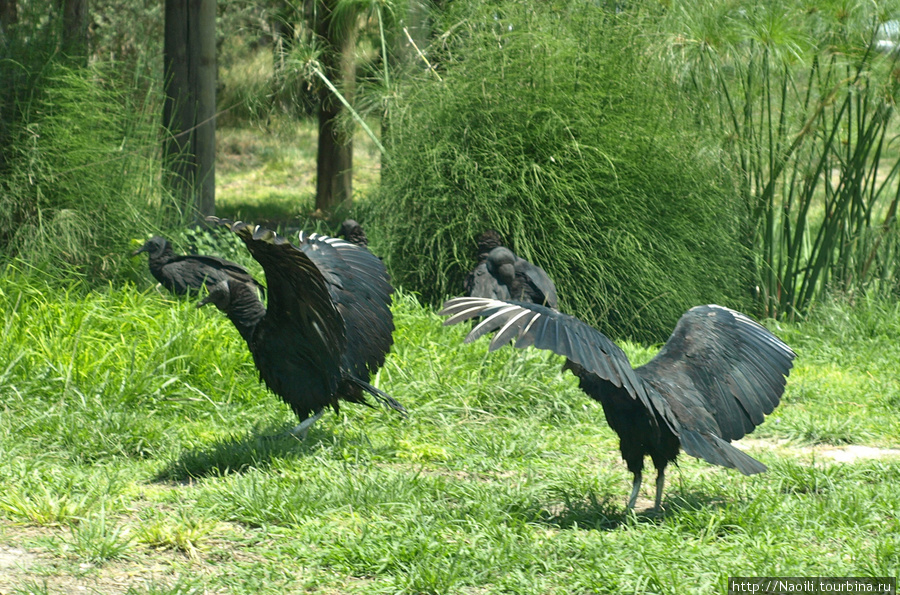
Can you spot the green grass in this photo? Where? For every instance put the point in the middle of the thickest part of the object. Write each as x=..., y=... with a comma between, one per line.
x=136, y=457
x=268, y=174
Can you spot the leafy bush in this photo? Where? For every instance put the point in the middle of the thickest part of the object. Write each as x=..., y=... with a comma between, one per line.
x=80, y=174
x=551, y=127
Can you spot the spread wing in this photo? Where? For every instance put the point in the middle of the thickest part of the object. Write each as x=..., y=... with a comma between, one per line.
x=721, y=372
x=300, y=308
x=360, y=287
x=715, y=379
x=545, y=328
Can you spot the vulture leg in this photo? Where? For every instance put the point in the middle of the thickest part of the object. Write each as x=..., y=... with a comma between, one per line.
x=636, y=487
x=660, y=481
x=302, y=428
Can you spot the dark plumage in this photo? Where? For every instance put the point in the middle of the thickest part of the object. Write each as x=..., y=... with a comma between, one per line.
x=487, y=241
x=183, y=274
x=353, y=233
x=328, y=324
x=502, y=275
x=714, y=380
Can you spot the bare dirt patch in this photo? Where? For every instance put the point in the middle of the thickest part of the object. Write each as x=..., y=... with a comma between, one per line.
x=14, y=559
x=849, y=453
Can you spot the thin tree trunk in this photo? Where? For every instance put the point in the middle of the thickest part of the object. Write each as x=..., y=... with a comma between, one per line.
x=9, y=14
x=334, y=161
x=75, y=29
x=189, y=67
x=177, y=119
x=203, y=73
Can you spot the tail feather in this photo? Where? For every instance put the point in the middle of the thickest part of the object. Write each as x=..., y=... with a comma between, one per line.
x=718, y=452
x=380, y=396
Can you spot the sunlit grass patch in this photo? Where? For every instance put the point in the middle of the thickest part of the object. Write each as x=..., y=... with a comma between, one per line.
x=267, y=174
x=43, y=506
x=98, y=538
x=136, y=436
x=181, y=531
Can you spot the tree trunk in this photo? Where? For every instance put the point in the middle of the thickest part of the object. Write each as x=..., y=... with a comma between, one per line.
x=9, y=14
x=334, y=161
x=203, y=61
x=189, y=67
x=75, y=30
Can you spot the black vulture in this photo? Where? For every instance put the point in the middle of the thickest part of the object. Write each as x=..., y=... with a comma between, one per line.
x=353, y=233
x=713, y=381
x=502, y=275
x=327, y=325
x=183, y=274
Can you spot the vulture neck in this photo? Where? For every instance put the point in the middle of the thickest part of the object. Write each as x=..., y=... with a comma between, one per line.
x=158, y=261
x=245, y=310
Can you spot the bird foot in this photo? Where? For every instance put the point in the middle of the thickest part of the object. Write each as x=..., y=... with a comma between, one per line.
x=302, y=429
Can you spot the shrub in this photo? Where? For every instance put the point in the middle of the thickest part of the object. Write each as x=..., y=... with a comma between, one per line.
x=80, y=174
x=550, y=126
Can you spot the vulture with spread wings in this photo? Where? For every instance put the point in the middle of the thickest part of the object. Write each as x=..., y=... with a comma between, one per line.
x=327, y=324
x=713, y=381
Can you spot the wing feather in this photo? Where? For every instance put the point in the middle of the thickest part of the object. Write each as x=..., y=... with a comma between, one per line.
x=301, y=318
x=727, y=364
x=361, y=290
x=545, y=328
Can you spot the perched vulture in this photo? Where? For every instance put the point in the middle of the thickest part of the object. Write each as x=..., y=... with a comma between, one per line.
x=353, y=233
x=502, y=275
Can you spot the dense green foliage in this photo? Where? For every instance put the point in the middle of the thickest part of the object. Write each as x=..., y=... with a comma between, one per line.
x=78, y=155
x=551, y=126
x=79, y=146
x=80, y=177
x=135, y=459
x=805, y=98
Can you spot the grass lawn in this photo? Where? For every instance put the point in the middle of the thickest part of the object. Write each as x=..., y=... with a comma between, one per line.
x=135, y=457
x=137, y=454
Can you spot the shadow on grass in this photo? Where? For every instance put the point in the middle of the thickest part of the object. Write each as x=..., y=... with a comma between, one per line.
x=236, y=454
x=691, y=501
x=608, y=512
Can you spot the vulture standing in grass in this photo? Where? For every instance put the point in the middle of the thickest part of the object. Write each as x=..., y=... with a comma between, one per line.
x=326, y=327
x=713, y=381
x=502, y=275
x=353, y=233
x=190, y=273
